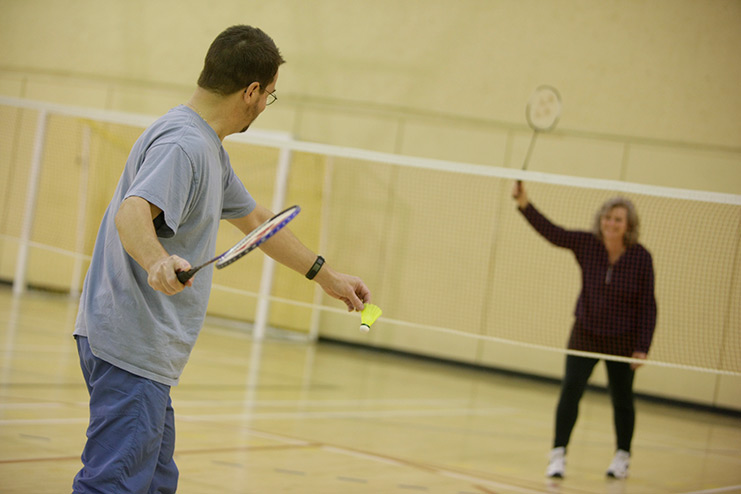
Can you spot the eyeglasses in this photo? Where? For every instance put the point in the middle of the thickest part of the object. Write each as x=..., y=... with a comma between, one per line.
x=272, y=98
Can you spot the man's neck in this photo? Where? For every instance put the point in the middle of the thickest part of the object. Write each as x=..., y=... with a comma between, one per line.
x=214, y=109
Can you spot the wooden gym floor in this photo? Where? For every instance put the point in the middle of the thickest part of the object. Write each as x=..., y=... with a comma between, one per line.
x=289, y=417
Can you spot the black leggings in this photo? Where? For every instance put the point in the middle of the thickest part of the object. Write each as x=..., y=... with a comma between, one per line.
x=620, y=376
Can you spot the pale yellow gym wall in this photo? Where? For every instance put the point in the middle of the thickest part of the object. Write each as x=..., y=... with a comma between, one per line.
x=650, y=92
x=647, y=69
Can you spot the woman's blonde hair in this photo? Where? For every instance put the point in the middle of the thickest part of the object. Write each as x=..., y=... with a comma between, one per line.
x=633, y=229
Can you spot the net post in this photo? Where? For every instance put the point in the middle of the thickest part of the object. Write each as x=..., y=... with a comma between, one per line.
x=268, y=267
x=34, y=175
x=75, y=287
x=323, y=233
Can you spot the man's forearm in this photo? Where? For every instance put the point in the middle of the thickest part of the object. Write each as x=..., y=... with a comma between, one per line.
x=136, y=231
x=284, y=247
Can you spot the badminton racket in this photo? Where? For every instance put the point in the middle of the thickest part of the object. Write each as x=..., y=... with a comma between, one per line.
x=542, y=112
x=249, y=243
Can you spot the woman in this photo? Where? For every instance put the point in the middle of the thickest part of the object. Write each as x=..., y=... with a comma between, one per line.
x=615, y=315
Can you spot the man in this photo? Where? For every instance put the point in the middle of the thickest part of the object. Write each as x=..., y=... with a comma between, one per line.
x=137, y=323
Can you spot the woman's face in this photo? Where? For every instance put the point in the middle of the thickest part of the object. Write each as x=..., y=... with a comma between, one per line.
x=614, y=224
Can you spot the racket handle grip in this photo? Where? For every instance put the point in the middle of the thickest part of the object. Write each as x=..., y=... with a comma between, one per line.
x=184, y=276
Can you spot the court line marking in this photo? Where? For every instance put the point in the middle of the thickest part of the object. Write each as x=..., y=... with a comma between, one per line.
x=54, y=421
x=318, y=403
x=716, y=490
x=352, y=479
x=264, y=447
x=227, y=464
x=291, y=442
x=23, y=406
x=294, y=443
x=181, y=404
x=280, y=438
x=361, y=455
x=39, y=460
x=291, y=472
x=430, y=469
x=443, y=412
x=398, y=462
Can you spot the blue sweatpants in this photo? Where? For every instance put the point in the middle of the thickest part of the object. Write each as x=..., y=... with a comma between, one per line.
x=131, y=435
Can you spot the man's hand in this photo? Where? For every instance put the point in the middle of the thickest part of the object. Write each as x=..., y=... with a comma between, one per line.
x=349, y=289
x=288, y=250
x=136, y=231
x=162, y=275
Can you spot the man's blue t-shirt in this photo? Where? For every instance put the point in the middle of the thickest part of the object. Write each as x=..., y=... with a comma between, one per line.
x=179, y=165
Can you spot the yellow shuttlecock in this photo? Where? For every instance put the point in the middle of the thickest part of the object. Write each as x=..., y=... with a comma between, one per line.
x=368, y=316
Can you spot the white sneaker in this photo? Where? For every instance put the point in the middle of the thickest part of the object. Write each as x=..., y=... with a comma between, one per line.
x=556, y=463
x=618, y=469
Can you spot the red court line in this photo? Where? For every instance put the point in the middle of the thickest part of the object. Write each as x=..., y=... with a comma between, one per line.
x=484, y=489
x=315, y=445
x=246, y=448
x=177, y=453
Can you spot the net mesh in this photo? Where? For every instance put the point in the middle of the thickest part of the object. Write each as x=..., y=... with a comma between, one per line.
x=444, y=249
x=455, y=254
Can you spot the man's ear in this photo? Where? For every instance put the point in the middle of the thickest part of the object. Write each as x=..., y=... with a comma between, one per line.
x=251, y=92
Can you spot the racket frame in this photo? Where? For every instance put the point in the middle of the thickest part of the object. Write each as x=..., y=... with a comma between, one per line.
x=250, y=242
x=537, y=128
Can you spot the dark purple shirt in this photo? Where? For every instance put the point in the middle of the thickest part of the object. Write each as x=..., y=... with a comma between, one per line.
x=616, y=309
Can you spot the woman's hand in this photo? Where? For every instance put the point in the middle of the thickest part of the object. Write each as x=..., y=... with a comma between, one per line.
x=640, y=355
x=519, y=194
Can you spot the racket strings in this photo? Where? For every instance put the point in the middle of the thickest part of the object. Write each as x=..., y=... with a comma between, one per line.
x=256, y=237
x=544, y=108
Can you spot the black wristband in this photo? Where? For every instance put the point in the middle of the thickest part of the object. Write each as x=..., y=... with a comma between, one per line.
x=315, y=268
